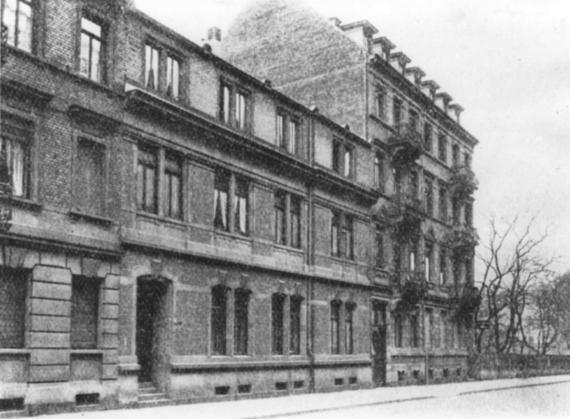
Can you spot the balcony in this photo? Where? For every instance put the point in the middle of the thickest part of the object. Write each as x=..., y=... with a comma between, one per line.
x=462, y=239
x=405, y=144
x=413, y=289
x=467, y=302
x=405, y=213
x=463, y=182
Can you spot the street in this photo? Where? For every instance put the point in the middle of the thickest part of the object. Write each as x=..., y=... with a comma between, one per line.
x=507, y=398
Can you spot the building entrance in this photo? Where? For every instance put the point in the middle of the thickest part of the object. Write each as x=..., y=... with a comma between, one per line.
x=151, y=332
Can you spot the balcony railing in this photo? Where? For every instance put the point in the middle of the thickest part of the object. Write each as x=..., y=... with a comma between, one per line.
x=405, y=144
x=462, y=239
x=413, y=289
x=463, y=182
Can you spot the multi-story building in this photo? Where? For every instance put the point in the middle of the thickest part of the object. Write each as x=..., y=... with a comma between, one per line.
x=179, y=229
x=421, y=167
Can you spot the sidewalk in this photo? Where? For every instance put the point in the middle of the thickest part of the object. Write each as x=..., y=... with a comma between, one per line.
x=320, y=402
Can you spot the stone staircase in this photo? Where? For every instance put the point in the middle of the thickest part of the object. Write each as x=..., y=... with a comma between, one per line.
x=149, y=395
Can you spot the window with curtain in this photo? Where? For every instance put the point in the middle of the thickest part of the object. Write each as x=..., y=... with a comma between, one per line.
x=240, y=110
x=428, y=257
x=18, y=19
x=15, y=150
x=281, y=142
x=295, y=220
x=241, y=206
x=172, y=194
x=225, y=103
x=292, y=136
x=147, y=169
x=172, y=77
x=221, y=200
x=151, y=69
x=335, y=234
x=280, y=222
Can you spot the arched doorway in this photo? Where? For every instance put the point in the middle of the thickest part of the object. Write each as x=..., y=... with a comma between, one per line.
x=152, y=330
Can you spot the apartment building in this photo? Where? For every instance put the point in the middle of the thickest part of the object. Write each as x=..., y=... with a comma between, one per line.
x=174, y=229
x=422, y=275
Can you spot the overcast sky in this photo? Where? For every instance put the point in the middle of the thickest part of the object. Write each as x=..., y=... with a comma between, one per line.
x=507, y=62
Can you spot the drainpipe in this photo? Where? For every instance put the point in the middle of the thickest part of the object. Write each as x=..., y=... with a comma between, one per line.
x=309, y=260
x=426, y=331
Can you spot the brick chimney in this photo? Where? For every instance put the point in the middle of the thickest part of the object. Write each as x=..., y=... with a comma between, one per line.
x=214, y=39
x=360, y=32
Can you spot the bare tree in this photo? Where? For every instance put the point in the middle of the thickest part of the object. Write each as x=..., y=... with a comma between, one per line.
x=512, y=265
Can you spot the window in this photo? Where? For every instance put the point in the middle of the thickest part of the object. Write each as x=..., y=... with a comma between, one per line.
x=295, y=325
x=288, y=133
x=413, y=116
x=342, y=159
x=90, y=177
x=281, y=137
x=428, y=192
x=241, y=208
x=413, y=184
x=172, y=77
x=241, y=319
x=147, y=180
x=398, y=330
x=428, y=130
x=379, y=170
x=430, y=325
x=18, y=19
x=277, y=317
x=428, y=258
x=378, y=313
x=397, y=173
x=443, y=267
x=172, y=186
x=288, y=223
x=234, y=106
x=443, y=203
x=455, y=211
x=397, y=249
x=467, y=160
x=445, y=330
x=218, y=319
x=13, y=285
x=414, y=325
x=84, y=312
x=295, y=222
x=221, y=200
x=293, y=136
x=91, y=51
x=442, y=148
x=335, y=332
x=348, y=328
x=280, y=221
x=342, y=236
x=397, y=112
x=14, y=148
x=151, y=72
x=380, y=103
x=455, y=155
x=412, y=257
x=379, y=247
x=225, y=103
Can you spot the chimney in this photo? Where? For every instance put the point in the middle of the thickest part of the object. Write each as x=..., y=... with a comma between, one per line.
x=445, y=98
x=417, y=74
x=214, y=38
x=335, y=21
x=402, y=60
x=430, y=88
x=457, y=109
x=360, y=32
x=382, y=46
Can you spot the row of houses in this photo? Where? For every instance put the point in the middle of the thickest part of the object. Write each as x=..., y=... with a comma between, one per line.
x=190, y=222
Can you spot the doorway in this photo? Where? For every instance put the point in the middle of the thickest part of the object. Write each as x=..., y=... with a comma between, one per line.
x=152, y=330
x=379, y=343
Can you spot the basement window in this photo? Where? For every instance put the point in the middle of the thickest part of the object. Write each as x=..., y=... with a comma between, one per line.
x=7, y=405
x=281, y=385
x=86, y=399
x=338, y=381
x=298, y=384
x=244, y=388
x=352, y=380
x=221, y=390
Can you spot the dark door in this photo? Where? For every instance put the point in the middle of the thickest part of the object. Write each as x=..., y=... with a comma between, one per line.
x=379, y=342
x=149, y=300
x=379, y=359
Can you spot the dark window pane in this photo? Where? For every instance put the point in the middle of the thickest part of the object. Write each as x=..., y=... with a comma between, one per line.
x=13, y=285
x=218, y=320
x=277, y=317
x=241, y=319
x=295, y=325
x=84, y=312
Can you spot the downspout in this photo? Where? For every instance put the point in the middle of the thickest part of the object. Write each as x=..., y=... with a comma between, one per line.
x=310, y=262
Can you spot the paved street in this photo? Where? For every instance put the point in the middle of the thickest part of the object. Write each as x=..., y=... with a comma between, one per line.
x=513, y=398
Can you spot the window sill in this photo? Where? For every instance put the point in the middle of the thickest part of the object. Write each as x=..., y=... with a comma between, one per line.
x=161, y=219
x=86, y=351
x=14, y=351
x=96, y=219
x=24, y=203
x=239, y=236
x=289, y=248
x=342, y=259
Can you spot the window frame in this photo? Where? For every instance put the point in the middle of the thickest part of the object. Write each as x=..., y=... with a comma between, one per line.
x=167, y=193
x=278, y=323
x=242, y=297
x=148, y=65
x=335, y=313
x=295, y=301
x=428, y=137
x=379, y=167
x=176, y=79
x=102, y=146
x=142, y=204
x=442, y=147
x=380, y=97
x=102, y=39
x=349, y=309
x=16, y=30
x=218, y=319
x=230, y=107
x=340, y=150
x=95, y=283
x=429, y=186
x=25, y=142
x=222, y=185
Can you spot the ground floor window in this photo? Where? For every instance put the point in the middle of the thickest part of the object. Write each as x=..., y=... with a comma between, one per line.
x=84, y=312
x=241, y=319
x=13, y=288
x=219, y=303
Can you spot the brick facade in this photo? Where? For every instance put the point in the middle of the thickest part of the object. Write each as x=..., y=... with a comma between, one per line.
x=146, y=152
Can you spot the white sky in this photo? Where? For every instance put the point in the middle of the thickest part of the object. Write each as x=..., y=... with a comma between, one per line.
x=506, y=61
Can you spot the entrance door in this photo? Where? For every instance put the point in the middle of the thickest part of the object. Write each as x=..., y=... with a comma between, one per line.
x=379, y=342
x=151, y=300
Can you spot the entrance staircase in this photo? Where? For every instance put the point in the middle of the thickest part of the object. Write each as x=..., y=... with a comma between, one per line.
x=150, y=395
